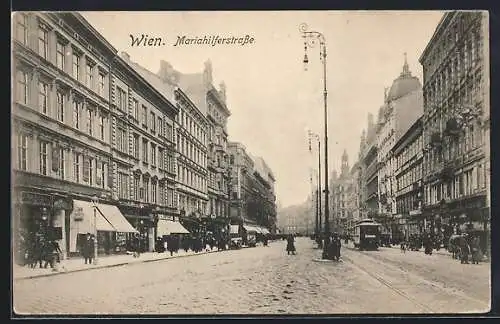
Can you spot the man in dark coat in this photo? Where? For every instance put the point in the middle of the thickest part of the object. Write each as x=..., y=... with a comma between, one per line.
x=290, y=246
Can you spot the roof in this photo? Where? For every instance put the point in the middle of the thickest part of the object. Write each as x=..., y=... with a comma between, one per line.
x=444, y=20
x=167, y=90
x=408, y=109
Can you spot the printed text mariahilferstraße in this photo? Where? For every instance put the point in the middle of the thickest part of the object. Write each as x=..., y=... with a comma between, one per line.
x=214, y=40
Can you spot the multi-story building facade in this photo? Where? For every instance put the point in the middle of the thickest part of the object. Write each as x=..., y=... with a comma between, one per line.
x=143, y=150
x=407, y=156
x=341, y=188
x=253, y=200
x=264, y=199
x=218, y=165
x=62, y=131
x=190, y=134
x=212, y=104
x=353, y=202
x=242, y=167
x=456, y=125
x=402, y=106
x=370, y=171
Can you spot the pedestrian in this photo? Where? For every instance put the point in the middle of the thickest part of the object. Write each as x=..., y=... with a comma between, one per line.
x=464, y=250
x=265, y=240
x=290, y=246
x=88, y=248
x=427, y=245
x=475, y=250
x=51, y=253
x=338, y=246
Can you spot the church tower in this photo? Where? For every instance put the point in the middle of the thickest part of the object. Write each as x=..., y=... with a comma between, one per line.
x=345, y=164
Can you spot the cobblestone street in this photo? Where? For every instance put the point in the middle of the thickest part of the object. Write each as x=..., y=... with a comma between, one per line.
x=261, y=281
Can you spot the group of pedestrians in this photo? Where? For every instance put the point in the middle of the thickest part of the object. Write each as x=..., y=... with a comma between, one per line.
x=334, y=245
x=464, y=245
x=194, y=242
x=41, y=250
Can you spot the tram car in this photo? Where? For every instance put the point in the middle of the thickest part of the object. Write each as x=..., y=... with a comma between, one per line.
x=366, y=235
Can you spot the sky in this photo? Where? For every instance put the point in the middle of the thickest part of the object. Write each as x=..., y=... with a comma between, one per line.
x=273, y=99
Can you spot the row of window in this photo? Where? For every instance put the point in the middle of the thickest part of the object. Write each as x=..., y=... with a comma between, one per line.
x=148, y=190
x=468, y=94
x=464, y=184
x=64, y=56
x=187, y=148
x=408, y=203
x=466, y=54
x=49, y=159
x=192, y=179
x=54, y=102
x=454, y=147
x=409, y=177
x=409, y=152
x=192, y=126
x=191, y=204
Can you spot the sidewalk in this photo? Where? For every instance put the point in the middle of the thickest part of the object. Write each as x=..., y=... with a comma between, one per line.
x=441, y=251
x=77, y=264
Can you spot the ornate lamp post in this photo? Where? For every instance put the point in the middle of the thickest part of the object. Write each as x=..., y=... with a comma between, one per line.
x=310, y=40
x=95, y=200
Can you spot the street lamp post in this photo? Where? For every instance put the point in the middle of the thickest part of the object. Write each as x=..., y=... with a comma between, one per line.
x=94, y=204
x=310, y=38
x=318, y=219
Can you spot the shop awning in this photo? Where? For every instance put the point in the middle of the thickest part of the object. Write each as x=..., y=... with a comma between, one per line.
x=235, y=229
x=265, y=231
x=82, y=217
x=115, y=218
x=166, y=227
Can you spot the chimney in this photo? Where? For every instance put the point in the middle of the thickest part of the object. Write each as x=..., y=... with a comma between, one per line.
x=166, y=70
x=125, y=56
x=207, y=73
x=222, y=91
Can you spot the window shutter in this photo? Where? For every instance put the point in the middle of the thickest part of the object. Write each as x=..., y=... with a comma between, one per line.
x=99, y=175
x=55, y=158
x=86, y=168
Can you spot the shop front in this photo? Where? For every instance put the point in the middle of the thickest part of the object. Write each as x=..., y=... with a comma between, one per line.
x=38, y=216
x=105, y=222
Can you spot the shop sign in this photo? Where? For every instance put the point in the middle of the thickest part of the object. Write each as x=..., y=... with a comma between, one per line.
x=415, y=212
x=63, y=204
x=78, y=214
x=165, y=217
x=36, y=199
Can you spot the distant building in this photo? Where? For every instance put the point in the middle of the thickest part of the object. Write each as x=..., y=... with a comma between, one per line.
x=403, y=105
x=242, y=167
x=341, y=190
x=253, y=199
x=370, y=171
x=199, y=88
x=407, y=155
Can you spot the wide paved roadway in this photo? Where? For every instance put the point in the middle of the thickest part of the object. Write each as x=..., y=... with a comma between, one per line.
x=265, y=280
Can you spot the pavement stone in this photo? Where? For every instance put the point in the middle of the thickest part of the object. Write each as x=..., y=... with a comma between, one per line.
x=253, y=281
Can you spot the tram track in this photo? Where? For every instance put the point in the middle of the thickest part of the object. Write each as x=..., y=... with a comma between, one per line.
x=388, y=284
x=392, y=284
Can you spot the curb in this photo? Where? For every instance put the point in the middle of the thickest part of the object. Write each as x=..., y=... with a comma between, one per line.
x=55, y=273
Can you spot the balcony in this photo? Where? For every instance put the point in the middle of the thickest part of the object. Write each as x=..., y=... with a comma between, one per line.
x=452, y=128
x=218, y=147
x=436, y=140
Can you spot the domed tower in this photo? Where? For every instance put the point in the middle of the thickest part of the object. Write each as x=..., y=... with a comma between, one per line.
x=404, y=84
